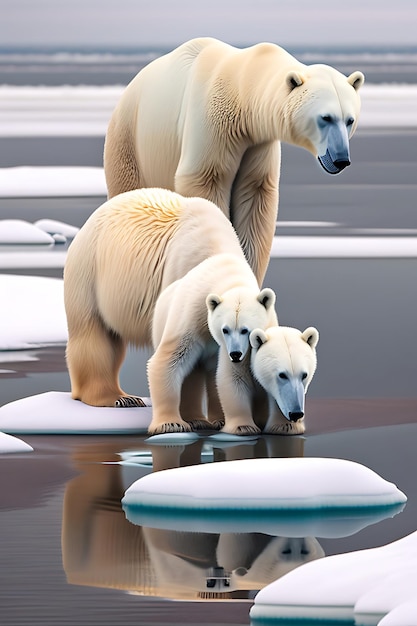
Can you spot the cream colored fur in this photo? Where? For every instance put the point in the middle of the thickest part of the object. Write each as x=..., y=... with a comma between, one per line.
x=182, y=338
x=251, y=392
x=207, y=120
x=283, y=362
x=127, y=252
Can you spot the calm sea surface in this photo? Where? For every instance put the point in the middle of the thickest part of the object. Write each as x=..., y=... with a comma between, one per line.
x=68, y=554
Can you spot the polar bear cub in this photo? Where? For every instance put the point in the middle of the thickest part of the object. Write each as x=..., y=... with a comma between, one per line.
x=283, y=361
x=266, y=389
x=183, y=344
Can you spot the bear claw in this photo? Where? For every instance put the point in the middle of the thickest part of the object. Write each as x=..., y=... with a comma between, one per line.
x=129, y=401
x=247, y=430
x=170, y=427
x=286, y=429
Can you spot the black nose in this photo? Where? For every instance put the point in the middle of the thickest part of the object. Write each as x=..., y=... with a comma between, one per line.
x=296, y=415
x=235, y=356
x=341, y=164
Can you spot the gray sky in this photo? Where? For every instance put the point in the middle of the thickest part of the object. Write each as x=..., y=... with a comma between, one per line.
x=169, y=22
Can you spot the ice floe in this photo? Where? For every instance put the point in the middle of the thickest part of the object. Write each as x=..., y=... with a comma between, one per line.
x=55, y=412
x=52, y=181
x=10, y=444
x=20, y=232
x=32, y=312
x=361, y=587
x=279, y=496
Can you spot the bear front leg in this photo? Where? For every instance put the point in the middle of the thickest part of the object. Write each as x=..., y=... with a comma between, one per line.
x=235, y=392
x=167, y=369
x=192, y=394
x=278, y=424
x=254, y=204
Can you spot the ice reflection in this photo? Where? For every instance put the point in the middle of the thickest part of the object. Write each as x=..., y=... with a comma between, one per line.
x=101, y=547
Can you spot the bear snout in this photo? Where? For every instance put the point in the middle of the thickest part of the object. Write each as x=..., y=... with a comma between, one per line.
x=235, y=356
x=341, y=164
x=295, y=415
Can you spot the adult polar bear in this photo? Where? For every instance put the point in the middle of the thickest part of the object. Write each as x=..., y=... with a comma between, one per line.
x=207, y=120
x=129, y=250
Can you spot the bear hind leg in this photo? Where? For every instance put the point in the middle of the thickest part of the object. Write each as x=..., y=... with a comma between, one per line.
x=94, y=357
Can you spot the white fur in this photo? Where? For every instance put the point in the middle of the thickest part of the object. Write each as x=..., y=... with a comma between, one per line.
x=127, y=252
x=207, y=120
x=283, y=361
x=183, y=344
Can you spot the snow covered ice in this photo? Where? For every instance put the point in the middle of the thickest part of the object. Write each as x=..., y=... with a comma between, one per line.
x=362, y=586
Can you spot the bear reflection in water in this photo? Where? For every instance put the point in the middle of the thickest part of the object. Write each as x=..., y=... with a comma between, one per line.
x=101, y=548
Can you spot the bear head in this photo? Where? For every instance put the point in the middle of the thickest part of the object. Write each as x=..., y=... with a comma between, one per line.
x=233, y=315
x=322, y=109
x=283, y=361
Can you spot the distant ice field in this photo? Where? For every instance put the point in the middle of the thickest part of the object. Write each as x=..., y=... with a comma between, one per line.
x=85, y=110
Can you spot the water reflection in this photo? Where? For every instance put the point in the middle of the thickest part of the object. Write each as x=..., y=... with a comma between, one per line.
x=101, y=547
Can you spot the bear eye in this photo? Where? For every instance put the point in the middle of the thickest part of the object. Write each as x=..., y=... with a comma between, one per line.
x=326, y=118
x=225, y=331
x=350, y=121
x=304, y=375
x=244, y=331
x=283, y=376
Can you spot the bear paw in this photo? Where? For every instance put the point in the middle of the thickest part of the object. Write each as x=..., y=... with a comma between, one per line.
x=290, y=428
x=243, y=430
x=169, y=427
x=129, y=401
x=200, y=424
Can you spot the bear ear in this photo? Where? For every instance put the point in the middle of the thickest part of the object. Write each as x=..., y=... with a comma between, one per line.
x=294, y=79
x=356, y=80
x=311, y=336
x=267, y=298
x=212, y=301
x=257, y=338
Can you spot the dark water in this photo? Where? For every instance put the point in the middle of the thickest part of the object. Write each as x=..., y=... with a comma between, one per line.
x=69, y=555
x=109, y=67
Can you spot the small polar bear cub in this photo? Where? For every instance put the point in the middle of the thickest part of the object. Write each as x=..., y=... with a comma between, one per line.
x=283, y=361
x=184, y=346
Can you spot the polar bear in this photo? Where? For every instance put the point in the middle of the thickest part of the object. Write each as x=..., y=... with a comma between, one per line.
x=126, y=253
x=207, y=120
x=182, y=338
x=283, y=361
x=266, y=390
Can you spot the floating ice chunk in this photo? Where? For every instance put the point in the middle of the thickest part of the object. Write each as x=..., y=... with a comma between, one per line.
x=320, y=497
x=55, y=412
x=56, y=181
x=365, y=580
x=226, y=437
x=269, y=484
x=22, y=233
x=10, y=444
x=54, y=227
x=173, y=438
x=403, y=615
x=32, y=312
